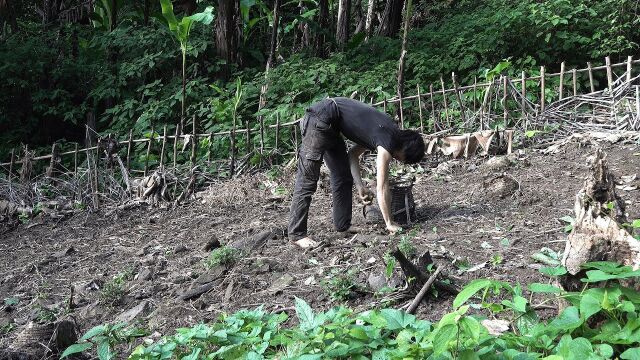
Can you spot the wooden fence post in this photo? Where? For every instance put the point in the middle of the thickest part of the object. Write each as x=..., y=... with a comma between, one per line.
x=261, y=135
x=11, y=163
x=455, y=88
x=400, y=111
x=232, y=165
x=276, y=145
x=523, y=88
x=591, y=84
x=209, y=147
x=129, y=145
x=629, y=67
x=75, y=161
x=505, y=109
x=574, y=80
x=444, y=98
x=561, y=90
x=146, y=159
x=194, y=142
x=52, y=161
x=607, y=61
x=542, y=89
x=175, y=147
x=295, y=139
x=420, y=109
x=433, y=108
x=384, y=105
x=637, y=123
x=475, y=88
x=248, y=133
x=164, y=144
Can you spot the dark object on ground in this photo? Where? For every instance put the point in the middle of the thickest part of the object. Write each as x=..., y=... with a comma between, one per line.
x=403, y=208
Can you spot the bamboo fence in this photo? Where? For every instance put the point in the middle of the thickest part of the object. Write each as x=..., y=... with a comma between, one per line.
x=524, y=103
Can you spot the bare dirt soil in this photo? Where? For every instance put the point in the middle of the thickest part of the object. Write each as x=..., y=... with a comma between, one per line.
x=470, y=212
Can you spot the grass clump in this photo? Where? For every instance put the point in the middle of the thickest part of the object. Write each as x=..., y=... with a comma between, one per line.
x=222, y=256
x=114, y=290
x=339, y=285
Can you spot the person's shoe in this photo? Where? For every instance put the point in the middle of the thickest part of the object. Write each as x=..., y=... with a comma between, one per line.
x=306, y=243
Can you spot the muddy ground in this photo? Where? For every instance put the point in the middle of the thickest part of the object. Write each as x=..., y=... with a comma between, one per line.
x=464, y=221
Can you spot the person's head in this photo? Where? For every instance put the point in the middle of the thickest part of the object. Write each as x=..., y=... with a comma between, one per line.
x=410, y=147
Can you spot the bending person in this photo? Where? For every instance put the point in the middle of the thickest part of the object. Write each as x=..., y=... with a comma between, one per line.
x=370, y=129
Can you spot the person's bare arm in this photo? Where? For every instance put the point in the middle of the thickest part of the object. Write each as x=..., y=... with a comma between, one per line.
x=384, y=194
x=354, y=164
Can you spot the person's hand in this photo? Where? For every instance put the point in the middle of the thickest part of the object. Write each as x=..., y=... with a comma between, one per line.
x=393, y=228
x=366, y=195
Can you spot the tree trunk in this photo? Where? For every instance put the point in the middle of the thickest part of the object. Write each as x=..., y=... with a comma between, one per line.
x=403, y=53
x=367, y=27
x=147, y=11
x=226, y=35
x=360, y=19
x=391, y=18
x=342, y=25
x=323, y=22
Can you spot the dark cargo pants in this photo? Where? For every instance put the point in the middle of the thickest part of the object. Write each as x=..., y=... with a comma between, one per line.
x=320, y=140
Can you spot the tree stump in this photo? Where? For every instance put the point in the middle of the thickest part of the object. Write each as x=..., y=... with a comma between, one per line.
x=597, y=232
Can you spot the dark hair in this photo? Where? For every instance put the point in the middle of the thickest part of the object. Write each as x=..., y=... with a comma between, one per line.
x=411, y=146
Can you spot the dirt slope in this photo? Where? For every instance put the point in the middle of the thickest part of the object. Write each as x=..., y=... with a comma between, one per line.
x=160, y=252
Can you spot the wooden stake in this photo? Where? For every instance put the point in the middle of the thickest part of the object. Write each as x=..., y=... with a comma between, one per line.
x=444, y=98
x=423, y=291
x=175, y=147
x=401, y=113
x=384, y=105
x=629, y=67
x=209, y=148
x=542, y=89
x=146, y=159
x=433, y=108
x=277, y=133
x=261, y=135
x=11, y=163
x=248, y=138
x=591, y=84
x=52, y=161
x=164, y=144
x=75, y=161
x=455, y=88
x=475, y=88
x=504, y=100
x=523, y=89
x=607, y=61
x=561, y=90
x=129, y=145
x=194, y=141
x=232, y=165
x=574, y=80
x=420, y=109
x=637, y=125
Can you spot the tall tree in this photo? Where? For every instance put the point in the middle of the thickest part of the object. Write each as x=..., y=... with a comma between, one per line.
x=226, y=31
x=342, y=25
x=323, y=22
x=391, y=18
x=367, y=26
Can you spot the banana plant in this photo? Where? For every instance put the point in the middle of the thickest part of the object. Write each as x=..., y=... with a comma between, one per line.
x=180, y=30
x=105, y=14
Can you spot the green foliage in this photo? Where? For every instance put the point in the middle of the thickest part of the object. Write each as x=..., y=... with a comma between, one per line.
x=114, y=290
x=222, y=256
x=600, y=323
x=104, y=338
x=339, y=285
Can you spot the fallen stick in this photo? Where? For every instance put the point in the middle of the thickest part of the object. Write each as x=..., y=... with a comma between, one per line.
x=416, y=301
x=410, y=270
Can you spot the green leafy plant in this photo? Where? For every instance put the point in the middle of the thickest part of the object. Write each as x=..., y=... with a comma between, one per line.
x=181, y=30
x=569, y=221
x=114, y=290
x=390, y=264
x=496, y=260
x=339, y=285
x=104, y=338
x=222, y=256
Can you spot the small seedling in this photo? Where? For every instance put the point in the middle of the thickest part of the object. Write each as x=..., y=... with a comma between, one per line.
x=504, y=242
x=114, y=290
x=222, y=256
x=24, y=218
x=462, y=264
x=406, y=247
x=339, y=284
x=569, y=221
x=390, y=263
x=496, y=260
x=46, y=316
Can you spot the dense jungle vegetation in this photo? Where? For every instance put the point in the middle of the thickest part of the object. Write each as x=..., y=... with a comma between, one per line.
x=121, y=67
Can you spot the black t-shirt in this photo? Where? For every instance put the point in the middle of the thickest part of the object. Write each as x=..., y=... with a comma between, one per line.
x=365, y=125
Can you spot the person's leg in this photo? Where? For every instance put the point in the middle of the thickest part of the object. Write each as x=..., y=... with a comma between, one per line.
x=306, y=185
x=337, y=160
